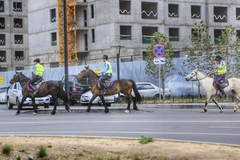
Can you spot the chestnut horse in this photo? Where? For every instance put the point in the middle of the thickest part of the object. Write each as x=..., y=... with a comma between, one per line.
x=123, y=85
x=54, y=88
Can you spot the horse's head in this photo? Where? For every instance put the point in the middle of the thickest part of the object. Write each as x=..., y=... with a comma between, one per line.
x=84, y=72
x=16, y=77
x=192, y=76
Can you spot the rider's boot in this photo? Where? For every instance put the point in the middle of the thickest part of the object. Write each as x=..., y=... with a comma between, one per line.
x=104, y=90
x=33, y=89
x=222, y=93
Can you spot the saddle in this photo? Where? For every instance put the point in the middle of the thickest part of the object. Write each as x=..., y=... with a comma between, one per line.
x=36, y=84
x=223, y=83
x=108, y=83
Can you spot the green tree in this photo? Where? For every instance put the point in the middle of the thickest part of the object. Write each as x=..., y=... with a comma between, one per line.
x=228, y=46
x=166, y=70
x=200, y=52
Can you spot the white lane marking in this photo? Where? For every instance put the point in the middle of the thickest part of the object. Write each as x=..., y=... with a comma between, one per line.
x=121, y=132
x=223, y=127
x=73, y=122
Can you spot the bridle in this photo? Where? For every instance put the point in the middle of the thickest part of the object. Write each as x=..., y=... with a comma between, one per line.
x=197, y=78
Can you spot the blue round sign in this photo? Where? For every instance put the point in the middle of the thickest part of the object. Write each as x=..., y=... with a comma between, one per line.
x=159, y=51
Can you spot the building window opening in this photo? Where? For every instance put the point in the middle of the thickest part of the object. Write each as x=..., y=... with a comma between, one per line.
x=92, y=11
x=149, y=10
x=144, y=55
x=176, y=54
x=125, y=7
x=147, y=34
x=2, y=39
x=1, y=6
x=173, y=10
x=54, y=39
x=19, y=56
x=18, y=39
x=18, y=23
x=220, y=14
x=173, y=34
x=237, y=13
x=125, y=33
x=217, y=35
x=3, y=57
x=86, y=42
x=53, y=15
x=19, y=68
x=17, y=6
x=93, y=36
x=85, y=18
x=2, y=23
x=196, y=12
x=238, y=33
x=54, y=64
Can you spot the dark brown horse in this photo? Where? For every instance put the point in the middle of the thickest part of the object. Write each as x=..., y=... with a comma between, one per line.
x=123, y=85
x=54, y=88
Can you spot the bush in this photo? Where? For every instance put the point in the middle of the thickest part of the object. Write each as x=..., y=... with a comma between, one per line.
x=18, y=158
x=6, y=149
x=42, y=152
x=145, y=140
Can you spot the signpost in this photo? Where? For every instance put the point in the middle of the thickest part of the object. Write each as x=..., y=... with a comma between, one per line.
x=159, y=52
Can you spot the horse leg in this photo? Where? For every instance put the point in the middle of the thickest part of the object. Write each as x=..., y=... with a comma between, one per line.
x=90, y=103
x=105, y=106
x=206, y=103
x=129, y=103
x=65, y=100
x=134, y=103
x=54, y=98
x=221, y=109
x=236, y=105
x=20, y=106
x=34, y=107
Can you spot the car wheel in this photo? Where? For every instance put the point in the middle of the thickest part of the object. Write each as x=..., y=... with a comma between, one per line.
x=72, y=102
x=9, y=105
x=46, y=105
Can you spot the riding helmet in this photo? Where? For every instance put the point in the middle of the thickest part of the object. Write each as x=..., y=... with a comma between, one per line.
x=37, y=60
x=105, y=57
x=218, y=58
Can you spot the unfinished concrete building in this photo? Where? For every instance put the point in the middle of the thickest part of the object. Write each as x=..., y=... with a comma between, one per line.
x=13, y=35
x=101, y=24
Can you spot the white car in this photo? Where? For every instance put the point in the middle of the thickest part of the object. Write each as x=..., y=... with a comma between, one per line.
x=14, y=97
x=3, y=98
x=149, y=90
x=86, y=97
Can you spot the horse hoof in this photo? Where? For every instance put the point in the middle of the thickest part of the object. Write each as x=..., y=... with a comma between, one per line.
x=34, y=113
x=204, y=111
x=69, y=111
x=88, y=110
x=17, y=113
x=127, y=111
x=52, y=113
x=221, y=111
x=136, y=109
x=235, y=109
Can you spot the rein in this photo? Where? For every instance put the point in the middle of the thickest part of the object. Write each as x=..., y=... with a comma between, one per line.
x=200, y=78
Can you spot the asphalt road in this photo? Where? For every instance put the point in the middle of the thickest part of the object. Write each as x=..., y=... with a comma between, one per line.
x=168, y=124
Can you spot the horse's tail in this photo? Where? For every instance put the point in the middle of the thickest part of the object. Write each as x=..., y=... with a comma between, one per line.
x=137, y=94
x=62, y=92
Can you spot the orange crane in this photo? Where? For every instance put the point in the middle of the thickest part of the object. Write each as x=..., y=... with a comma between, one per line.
x=71, y=32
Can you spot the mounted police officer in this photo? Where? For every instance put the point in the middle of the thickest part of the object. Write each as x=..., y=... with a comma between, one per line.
x=106, y=73
x=221, y=74
x=37, y=74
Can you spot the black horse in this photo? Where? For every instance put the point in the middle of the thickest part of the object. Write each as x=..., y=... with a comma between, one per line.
x=124, y=86
x=54, y=88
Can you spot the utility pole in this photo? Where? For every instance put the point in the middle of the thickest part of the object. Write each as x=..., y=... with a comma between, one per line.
x=65, y=48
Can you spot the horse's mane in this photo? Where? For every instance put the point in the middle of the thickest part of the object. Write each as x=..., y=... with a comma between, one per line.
x=23, y=75
x=93, y=72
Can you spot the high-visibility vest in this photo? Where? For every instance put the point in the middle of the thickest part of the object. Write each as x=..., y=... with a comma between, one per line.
x=39, y=70
x=223, y=70
x=110, y=68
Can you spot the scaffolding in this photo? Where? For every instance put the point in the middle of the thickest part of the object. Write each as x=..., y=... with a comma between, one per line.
x=71, y=32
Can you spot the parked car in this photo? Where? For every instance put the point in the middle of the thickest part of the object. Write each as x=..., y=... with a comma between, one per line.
x=86, y=97
x=149, y=90
x=3, y=98
x=14, y=97
x=76, y=88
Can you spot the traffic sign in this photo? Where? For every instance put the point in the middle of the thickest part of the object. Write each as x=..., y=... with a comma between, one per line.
x=159, y=51
x=159, y=60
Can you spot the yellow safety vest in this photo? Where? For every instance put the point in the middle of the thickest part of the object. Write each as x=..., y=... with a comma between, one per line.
x=39, y=70
x=110, y=68
x=223, y=70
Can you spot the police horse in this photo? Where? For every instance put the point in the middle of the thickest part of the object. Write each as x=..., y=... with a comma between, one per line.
x=233, y=86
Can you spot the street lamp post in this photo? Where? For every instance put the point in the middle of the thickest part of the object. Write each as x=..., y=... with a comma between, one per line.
x=118, y=57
